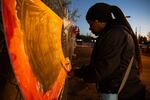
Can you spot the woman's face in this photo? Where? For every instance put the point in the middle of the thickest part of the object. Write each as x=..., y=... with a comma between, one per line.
x=96, y=27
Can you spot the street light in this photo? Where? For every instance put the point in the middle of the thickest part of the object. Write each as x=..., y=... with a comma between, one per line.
x=128, y=16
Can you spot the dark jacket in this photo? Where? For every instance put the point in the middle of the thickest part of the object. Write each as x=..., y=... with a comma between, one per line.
x=110, y=58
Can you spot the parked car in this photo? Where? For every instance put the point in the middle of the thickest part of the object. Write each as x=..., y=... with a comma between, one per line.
x=145, y=47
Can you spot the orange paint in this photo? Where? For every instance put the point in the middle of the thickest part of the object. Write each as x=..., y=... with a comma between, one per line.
x=27, y=81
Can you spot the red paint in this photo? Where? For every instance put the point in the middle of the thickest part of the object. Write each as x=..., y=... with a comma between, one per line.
x=9, y=23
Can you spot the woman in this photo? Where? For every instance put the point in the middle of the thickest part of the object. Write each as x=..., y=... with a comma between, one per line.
x=112, y=52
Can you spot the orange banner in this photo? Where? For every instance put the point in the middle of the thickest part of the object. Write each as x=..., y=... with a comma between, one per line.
x=33, y=35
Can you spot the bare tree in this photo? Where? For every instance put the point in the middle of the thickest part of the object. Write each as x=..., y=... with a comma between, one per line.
x=61, y=7
x=58, y=6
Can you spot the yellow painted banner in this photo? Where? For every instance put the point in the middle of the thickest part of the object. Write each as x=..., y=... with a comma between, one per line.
x=33, y=35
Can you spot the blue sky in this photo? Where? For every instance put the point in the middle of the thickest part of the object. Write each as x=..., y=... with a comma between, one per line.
x=139, y=10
